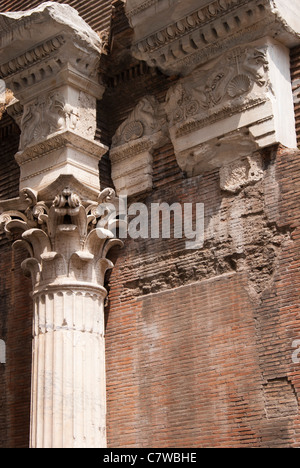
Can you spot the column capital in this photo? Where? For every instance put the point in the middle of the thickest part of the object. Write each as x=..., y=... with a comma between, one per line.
x=67, y=238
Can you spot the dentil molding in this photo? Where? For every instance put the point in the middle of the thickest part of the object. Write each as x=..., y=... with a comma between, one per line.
x=199, y=30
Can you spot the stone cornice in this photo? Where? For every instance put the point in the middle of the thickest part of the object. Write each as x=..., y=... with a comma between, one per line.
x=230, y=110
x=31, y=57
x=130, y=150
x=50, y=41
x=15, y=27
x=143, y=6
x=199, y=33
x=58, y=141
x=183, y=26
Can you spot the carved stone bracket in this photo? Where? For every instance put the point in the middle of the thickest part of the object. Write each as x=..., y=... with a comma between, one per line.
x=133, y=144
x=232, y=107
x=225, y=111
x=234, y=96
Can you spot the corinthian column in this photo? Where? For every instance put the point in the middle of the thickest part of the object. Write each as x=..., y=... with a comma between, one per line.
x=67, y=263
x=49, y=58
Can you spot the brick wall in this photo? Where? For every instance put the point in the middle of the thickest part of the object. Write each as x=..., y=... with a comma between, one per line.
x=199, y=343
x=15, y=312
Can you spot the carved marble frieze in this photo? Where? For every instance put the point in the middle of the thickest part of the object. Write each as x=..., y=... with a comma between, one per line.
x=57, y=137
x=231, y=107
x=65, y=237
x=46, y=115
x=235, y=81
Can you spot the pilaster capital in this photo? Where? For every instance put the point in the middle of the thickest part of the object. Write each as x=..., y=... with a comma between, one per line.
x=144, y=130
x=49, y=58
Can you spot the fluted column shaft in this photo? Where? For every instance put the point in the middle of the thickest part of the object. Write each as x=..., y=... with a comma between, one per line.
x=68, y=407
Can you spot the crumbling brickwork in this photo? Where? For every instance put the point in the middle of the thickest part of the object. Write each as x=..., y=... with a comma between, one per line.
x=197, y=342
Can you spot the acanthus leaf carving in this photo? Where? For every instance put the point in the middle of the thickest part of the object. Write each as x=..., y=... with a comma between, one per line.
x=59, y=234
